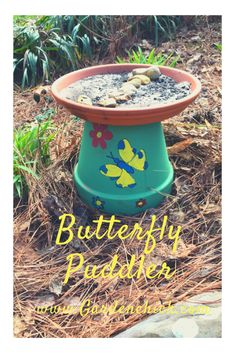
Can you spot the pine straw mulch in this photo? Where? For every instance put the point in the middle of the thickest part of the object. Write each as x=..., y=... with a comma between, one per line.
x=40, y=265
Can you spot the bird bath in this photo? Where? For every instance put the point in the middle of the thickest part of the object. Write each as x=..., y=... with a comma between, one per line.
x=123, y=166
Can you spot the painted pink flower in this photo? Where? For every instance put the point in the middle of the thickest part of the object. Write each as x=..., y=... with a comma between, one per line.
x=99, y=135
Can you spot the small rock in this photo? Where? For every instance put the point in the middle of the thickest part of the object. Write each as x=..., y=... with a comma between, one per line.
x=195, y=39
x=129, y=87
x=56, y=286
x=152, y=72
x=123, y=98
x=123, y=94
x=139, y=71
x=113, y=93
x=143, y=79
x=179, y=96
x=135, y=82
x=183, y=84
x=84, y=100
x=107, y=102
x=120, y=96
x=130, y=76
x=185, y=328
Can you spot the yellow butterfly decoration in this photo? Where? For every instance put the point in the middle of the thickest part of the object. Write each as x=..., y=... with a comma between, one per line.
x=121, y=171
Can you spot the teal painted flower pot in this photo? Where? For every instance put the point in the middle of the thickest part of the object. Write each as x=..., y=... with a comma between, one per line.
x=123, y=166
x=123, y=169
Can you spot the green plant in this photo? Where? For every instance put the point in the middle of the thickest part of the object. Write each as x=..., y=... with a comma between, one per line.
x=37, y=53
x=161, y=28
x=45, y=46
x=48, y=46
x=31, y=151
x=23, y=20
x=218, y=46
x=72, y=27
x=153, y=58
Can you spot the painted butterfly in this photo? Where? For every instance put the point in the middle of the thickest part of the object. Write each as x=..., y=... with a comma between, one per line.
x=121, y=171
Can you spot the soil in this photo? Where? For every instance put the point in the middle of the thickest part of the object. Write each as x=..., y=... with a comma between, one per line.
x=163, y=90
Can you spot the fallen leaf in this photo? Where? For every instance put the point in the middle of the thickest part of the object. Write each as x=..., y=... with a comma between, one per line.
x=156, y=260
x=183, y=250
x=195, y=39
x=28, y=317
x=218, y=69
x=179, y=146
x=56, y=286
x=194, y=59
x=63, y=175
x=18, y=325
x=177, y=216
x=24, y=226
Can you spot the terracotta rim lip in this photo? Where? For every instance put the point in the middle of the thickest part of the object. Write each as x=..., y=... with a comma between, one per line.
x=158, y=108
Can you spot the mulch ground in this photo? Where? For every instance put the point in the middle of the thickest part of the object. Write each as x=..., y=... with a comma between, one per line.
x=194, y=146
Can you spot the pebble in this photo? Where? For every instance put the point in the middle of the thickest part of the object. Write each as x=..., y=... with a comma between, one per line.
x=185, y=327
x=120, y=96
x=128, y=89
x=140, y=71
x=123, y=94
x=84, y=100
x=145, y=80
x=183, y=84
x=195, y=38
x=135, y=81
x=129, y=86
x=152, y=72
x=107, y=102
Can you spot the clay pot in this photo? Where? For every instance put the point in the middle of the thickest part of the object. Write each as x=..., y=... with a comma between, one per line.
x=123, y=165
x=121, y=116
